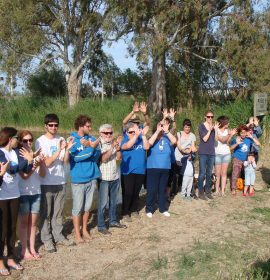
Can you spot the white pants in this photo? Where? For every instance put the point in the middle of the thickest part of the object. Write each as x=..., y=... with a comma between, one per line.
x=187, y=185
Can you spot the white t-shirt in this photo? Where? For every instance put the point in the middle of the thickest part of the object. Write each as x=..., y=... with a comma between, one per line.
x=10, y=186
x=55, y=174
x=222, y=148
x=31, y=185
x=184, y=143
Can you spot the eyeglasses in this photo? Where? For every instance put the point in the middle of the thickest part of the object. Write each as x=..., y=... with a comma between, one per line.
x=27, y=140
x=107, y=133
x=52, y=124
x=210, y=117
x=131, y=132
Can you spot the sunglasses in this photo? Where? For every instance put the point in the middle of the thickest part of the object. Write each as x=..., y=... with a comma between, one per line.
x=15, y=137
x=131, y=132
x=27, y=140
x=52, y=124
x=210, y=117
x=107, y=133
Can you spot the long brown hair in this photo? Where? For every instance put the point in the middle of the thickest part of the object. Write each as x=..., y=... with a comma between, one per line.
x=22, y=134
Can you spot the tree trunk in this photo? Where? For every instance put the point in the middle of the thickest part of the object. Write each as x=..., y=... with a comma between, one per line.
x=157, y=98
x=74, y=84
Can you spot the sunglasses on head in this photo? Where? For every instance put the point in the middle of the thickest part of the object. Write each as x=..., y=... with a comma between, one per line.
x=210, y=117
x=27, y=140
x=52, y=124
x=107, y=133
x=131, y=132
x=15, y=137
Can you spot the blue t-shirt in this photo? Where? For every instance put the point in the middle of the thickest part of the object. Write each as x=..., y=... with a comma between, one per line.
x=160, y=154
x=242, y=150
x=134, y=159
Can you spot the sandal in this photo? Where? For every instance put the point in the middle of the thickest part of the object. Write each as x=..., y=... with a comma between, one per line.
x=251, y=194
x=17, y=266
x=4, y=272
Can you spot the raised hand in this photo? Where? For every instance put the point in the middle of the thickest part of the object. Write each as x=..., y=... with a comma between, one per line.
x=159, y=127
x=165, y=113
x=238, y=140
x=136, y=107
x=232, y=132
x=62, y=144
x=143, y=107
x=37, y=152
x=172, y=113
x=216, y=125
x=4, y=167
x=28, y=155
x=70, y=143
x=84, y=142
x=165, y=127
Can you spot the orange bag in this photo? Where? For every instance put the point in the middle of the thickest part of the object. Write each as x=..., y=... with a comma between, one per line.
x=240, y=184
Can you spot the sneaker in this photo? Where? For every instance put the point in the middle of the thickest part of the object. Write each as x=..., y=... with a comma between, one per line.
x=66, y=242
x=127, y=219
x=189, y=198
x=209, y=195
x=149, y=215
x=49, y=247
x=166, y=214
x=104, y=231
x=117, y=225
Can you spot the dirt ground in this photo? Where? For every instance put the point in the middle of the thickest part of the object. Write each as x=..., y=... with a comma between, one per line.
x=151, y=248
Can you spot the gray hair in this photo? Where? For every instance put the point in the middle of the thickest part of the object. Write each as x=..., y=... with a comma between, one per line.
x=130, y=125
x=105, y=126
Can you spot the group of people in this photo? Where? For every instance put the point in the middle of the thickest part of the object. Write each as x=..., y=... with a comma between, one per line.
x=33, y=180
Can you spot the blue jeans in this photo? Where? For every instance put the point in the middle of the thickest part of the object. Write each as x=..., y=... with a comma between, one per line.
x=206, y=164
x=157, y=181
x=108, y=192
x=29, y=204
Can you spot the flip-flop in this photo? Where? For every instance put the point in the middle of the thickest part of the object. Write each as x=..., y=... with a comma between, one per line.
x=4, y=272
x=17, y=266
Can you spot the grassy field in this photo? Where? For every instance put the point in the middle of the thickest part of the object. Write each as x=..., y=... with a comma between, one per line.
x=29, y=112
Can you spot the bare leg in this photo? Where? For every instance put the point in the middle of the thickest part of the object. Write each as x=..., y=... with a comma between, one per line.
x=224, y=168
x=23, y=233
x=218, y=173
x=77, y=224
x=32, y=229
x=245, y=190
x=85, y=233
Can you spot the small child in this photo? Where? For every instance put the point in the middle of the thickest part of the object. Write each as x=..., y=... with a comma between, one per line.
x=250, y=167
x=187, y=171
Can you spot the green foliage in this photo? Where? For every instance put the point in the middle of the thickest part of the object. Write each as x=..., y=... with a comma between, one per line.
x=159, y=262
x=47, y=82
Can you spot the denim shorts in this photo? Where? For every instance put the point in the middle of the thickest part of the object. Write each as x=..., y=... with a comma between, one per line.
x=220, y=159
x=29, y=204
x=82, y=196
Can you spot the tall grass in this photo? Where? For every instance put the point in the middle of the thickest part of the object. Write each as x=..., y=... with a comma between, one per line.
x=27, y=112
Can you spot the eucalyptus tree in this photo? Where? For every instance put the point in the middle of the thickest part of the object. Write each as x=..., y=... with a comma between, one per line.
x=172, y=29
x=68, y=30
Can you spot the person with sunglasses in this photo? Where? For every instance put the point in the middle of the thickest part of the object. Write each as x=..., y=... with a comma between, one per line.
x=84, y=173
x=109, y=180
x=133, y=166
x=53, y=184
x=206, y=155
x=29, y=198
x=17, y=160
